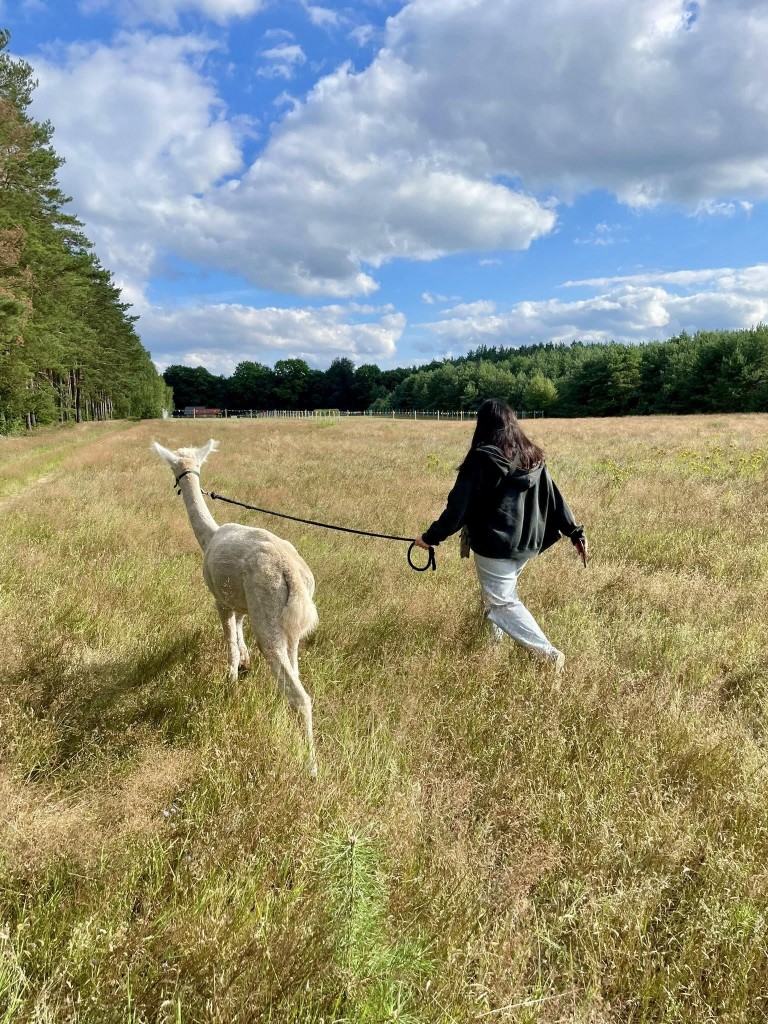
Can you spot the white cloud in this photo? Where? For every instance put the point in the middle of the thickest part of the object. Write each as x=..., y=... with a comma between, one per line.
x=709, y=208
x=642, y=307
x=139, y=126
x=278, y=33
x=603, y=234
x=290, y=53
x=226, y=334
x=363, y=34
x=413, y=157
x=633, y=98
x=342, y=186
x=748, y=279
x=483, y=307
x=303, y=221
x=322, y=17
x=167, y=12
x=283, y=60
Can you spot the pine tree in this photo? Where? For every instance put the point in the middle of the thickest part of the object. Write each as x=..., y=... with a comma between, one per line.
x=68, y=346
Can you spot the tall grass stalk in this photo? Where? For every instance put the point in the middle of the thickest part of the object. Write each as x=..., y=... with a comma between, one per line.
x=380, y=973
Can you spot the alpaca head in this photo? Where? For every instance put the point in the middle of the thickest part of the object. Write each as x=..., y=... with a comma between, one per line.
x=184, y=460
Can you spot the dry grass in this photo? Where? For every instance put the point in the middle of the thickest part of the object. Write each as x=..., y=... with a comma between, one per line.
x=483, y=843
x=39, y=824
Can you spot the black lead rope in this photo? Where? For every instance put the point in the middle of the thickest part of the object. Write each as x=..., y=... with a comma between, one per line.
x=327, y=526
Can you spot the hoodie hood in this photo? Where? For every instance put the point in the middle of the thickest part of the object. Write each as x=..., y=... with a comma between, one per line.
x=520, y=479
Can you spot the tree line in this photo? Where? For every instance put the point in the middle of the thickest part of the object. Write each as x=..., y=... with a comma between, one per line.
x=710, y=371
x=69, y=350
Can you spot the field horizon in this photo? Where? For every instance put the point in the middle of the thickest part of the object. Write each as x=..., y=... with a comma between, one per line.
x=485, y=841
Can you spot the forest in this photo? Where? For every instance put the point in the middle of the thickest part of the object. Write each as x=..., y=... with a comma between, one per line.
x=69, y=349
x=705, y=372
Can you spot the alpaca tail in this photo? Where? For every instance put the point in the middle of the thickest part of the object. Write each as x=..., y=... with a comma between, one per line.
x=300, y=614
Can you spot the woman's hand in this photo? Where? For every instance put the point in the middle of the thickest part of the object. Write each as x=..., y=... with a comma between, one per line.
x=421, y=543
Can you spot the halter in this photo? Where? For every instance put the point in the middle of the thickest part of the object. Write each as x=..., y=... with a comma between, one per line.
x=187, y=472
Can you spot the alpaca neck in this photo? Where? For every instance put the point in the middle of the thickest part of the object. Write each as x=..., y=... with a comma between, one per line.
x=203, y=523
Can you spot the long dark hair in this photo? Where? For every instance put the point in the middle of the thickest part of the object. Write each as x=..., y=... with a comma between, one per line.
x=498, y=425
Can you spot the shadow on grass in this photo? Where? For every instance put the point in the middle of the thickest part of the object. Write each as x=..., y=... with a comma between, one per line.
x=743, y=693
x=99, y=708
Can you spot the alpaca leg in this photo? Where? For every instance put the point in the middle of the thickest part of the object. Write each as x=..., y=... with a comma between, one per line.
x=289, y=684
x=245, y=657
x=229, y=625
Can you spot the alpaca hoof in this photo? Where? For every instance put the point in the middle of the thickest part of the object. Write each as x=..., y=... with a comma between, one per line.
x=243, y=667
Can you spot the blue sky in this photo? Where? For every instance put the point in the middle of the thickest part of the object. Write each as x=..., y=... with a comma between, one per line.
x=398, y=182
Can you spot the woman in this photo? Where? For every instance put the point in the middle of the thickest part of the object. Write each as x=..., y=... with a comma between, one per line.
x=512, y=510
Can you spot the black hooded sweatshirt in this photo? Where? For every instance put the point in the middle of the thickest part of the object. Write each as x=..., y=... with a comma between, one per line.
x=509, y=512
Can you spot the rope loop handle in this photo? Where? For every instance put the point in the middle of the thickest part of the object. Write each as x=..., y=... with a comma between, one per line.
x=430, y=561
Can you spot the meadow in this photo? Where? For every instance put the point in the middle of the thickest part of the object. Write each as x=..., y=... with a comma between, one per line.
x=485, y=841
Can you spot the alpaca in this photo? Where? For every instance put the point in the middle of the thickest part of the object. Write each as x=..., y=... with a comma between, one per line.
x=252, y=572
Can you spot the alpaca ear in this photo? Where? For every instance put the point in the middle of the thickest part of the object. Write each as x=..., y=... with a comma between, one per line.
x=164, y=453
x=205, y=451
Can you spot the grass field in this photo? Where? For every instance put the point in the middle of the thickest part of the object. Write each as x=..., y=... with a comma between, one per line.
x=484, y=842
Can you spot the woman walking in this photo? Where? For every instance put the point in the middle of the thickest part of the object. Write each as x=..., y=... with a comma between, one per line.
x=512, y=510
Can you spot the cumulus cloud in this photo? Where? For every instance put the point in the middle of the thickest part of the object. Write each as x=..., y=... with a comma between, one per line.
x=344, y=184
x=639, y=99
x=633, y=308
x=226, y=334
x=140, y=126
x=342, y=187
x=420, y=155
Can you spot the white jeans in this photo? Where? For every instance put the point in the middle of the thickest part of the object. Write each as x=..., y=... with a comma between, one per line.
x=498, y=582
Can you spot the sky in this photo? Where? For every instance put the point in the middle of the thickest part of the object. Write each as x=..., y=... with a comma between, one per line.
x=400, y=182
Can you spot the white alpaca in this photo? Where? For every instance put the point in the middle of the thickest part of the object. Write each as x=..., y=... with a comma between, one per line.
x=254, y=572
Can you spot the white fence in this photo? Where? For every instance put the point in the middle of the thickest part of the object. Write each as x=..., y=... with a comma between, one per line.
x=329, y=414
